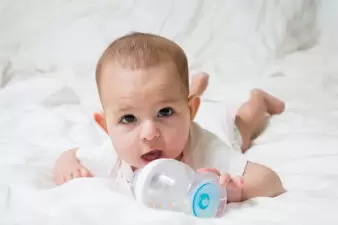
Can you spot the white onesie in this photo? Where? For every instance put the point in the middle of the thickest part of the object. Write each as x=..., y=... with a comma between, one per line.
x=206, y=149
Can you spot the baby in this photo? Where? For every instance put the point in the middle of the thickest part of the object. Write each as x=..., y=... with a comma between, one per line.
x=148, y=113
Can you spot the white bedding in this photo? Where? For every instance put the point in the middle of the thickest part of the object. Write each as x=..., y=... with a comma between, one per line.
x=48, y=50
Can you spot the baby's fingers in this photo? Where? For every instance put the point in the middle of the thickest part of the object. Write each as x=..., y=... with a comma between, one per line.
x=224, y=179
x=212, y=170
x=84, y=172
x=76, y=173
x=68, y=177
x=238, y=181
x=232, y=182
x=59, y=180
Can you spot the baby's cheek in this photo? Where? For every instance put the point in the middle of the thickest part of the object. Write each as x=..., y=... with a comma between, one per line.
x=178, y=139
x=124, y=143
x=126, y=153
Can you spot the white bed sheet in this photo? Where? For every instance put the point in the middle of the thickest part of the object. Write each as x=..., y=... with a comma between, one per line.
x=45, y=110
x=301, y=145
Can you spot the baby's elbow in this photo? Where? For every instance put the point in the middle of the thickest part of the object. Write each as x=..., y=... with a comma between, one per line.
x=274, y=183
x=261, y=181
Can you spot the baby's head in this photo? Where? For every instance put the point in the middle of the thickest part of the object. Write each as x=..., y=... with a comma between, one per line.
x=143, y=86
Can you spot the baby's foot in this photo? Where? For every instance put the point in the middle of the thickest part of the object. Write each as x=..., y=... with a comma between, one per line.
x=273, y=105
x=68, y=167
x=199, y=82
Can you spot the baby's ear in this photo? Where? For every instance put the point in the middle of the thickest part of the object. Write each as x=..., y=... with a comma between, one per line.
x=101, y=120
x=194, y=104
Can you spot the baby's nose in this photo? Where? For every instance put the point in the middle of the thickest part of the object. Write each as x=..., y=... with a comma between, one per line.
x=150, y=131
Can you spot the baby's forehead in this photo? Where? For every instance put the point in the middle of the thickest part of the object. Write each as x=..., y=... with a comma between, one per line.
x=166, y=71
x=141, y=51
x=156, y=84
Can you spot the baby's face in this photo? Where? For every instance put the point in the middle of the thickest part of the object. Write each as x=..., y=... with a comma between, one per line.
x=147, y=113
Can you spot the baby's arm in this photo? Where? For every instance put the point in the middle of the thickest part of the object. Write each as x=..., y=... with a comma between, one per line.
x=257, y=181
x=260, y=181
x=68, y=167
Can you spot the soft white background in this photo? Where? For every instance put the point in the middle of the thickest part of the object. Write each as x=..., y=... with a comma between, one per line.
x=48, y=52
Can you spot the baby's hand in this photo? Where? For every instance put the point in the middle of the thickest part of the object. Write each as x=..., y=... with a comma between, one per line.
x=233, y=185
x=68, y=167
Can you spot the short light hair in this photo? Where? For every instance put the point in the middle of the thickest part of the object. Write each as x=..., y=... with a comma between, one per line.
x=143, y=50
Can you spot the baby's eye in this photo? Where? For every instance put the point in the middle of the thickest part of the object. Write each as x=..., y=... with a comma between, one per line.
x=128, y=119
x=165, y=112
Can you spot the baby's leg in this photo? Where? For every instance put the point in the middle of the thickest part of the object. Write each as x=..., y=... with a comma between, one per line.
x=199, y=82
x=253, y=115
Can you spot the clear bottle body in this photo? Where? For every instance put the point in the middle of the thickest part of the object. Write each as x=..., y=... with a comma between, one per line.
x=179, y=188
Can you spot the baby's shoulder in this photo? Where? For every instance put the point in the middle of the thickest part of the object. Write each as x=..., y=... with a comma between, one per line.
x=203, y=140
x=209, y=151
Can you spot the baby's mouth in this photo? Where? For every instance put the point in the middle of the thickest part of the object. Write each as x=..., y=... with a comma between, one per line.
x=152, y=155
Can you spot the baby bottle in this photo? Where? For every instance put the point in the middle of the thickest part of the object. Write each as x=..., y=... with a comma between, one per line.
x=171, y=185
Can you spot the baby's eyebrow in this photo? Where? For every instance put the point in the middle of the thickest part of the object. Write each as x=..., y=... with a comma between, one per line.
x=127, y=107
x=123, y=108
x=118, y=108
x=172, y=100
